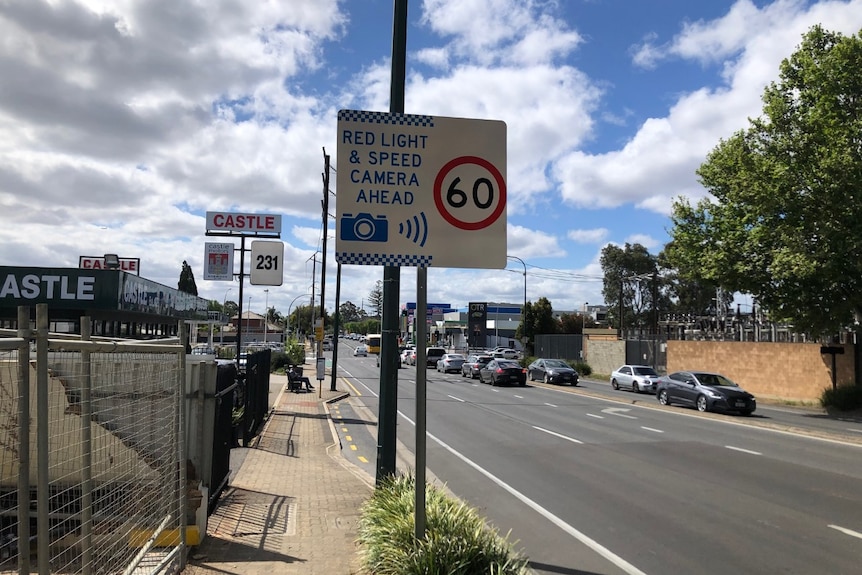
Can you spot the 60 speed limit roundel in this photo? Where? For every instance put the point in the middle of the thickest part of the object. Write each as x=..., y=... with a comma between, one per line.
x=470, y=193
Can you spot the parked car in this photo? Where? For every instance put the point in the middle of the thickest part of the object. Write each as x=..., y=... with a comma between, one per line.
x=637, y=378
x=450, y=362
x=504, y=352
x=405, y=353
x=499, y=371
x=705, y=391
x=552, y=371
x=411, y=357
x=471, y=366
x=433, y=355
x=360, y=351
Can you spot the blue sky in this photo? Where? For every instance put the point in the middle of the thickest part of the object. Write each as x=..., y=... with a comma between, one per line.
x=127, y=120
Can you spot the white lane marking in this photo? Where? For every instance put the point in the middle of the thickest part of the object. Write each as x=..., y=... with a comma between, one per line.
x=854, y=430
x=520, y=396
x=555, y=434
x=743, y=450
x=652, y=429
x=495, y=390
x=846, y=531
x=596, y=416
x=619, y=411
x=624, y=565
x=457, y=399
x=550, y=405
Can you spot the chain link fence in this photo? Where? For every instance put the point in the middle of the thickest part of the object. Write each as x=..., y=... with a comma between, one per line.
x=91, y=479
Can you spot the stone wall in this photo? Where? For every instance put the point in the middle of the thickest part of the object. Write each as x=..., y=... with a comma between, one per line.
x=604, y=354
x=787, y=371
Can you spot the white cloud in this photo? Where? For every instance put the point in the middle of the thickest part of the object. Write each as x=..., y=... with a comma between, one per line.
x=658, y=163
x=592, y=236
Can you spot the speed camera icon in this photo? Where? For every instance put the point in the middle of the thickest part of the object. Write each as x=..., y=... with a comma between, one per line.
x=363, y=227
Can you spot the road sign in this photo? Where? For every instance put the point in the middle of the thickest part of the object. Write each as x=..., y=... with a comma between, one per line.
x=267, y=263
x=420, y=191
x=218, y=261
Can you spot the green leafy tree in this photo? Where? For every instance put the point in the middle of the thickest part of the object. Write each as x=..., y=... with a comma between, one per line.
x=574, y=323
x=786, y=221
x=187, y=280
x=628, y=273
x=538, y=320
x=350, y=312
x=691, y=293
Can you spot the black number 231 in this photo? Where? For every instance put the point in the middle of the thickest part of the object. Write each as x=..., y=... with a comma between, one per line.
x=267, y=262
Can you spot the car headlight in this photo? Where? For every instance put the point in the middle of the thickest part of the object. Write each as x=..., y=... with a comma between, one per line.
x=713, y=394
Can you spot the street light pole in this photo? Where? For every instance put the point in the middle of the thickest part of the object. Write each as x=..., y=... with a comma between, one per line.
x=524, y=310
x=248, y=319
x=265, y=315
x=289, y=308
x=223, y=304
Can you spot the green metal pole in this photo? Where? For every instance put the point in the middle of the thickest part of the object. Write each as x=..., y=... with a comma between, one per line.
x=391, y=277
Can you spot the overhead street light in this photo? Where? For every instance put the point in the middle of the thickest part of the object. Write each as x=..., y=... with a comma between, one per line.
x=524, y=309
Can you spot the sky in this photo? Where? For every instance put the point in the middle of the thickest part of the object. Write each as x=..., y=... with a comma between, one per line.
x=122, y=122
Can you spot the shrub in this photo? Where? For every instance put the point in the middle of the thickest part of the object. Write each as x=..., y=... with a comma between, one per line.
x=295, y=352
x=457, y=541
x=844, y=397
x=278, y=361
x=582, y=367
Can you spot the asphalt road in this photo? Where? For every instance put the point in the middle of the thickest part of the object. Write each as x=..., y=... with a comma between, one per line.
x=591, y=480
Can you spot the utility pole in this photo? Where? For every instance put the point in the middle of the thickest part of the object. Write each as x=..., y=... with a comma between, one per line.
x=325, y=206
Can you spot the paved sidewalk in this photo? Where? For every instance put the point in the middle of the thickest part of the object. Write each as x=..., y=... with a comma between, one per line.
x=292, y=505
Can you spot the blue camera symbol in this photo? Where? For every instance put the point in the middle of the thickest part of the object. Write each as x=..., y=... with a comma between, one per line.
x=363, y=227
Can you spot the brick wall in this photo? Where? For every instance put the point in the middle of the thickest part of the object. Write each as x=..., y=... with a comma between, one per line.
x=788, y=371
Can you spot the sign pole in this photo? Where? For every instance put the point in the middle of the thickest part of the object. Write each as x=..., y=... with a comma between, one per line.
x=386, y=436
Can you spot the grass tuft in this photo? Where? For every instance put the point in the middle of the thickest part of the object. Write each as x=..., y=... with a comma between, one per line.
x=457, y=540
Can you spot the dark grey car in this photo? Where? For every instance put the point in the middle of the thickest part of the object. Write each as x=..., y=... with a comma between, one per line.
x=704, y=391
x=552, y=371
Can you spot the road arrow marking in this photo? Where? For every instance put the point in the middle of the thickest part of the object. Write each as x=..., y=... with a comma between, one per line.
x=619, y=411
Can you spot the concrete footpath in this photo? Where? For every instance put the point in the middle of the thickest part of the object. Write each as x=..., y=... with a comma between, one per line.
x=293, y=502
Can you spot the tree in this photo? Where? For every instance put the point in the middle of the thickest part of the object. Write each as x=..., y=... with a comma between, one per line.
x=349, y=312
x=786, y=221
x=628, y=276
x=187, y=280
x=689, y=294
x=538, y=320
x=575, y=323
x=375, y=298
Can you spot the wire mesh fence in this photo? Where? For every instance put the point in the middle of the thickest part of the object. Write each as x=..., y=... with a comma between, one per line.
x=91, y=477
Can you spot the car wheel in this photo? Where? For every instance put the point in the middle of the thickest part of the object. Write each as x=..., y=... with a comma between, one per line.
x=614, y=384
x=663, y=397
x=523, y=383
x=546, y=379
x=701, y=403
x=635, y=388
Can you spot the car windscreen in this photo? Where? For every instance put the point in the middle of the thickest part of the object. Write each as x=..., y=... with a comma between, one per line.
x=556, y=363
x=508, y=364
x=714, y=379
x=645, y=371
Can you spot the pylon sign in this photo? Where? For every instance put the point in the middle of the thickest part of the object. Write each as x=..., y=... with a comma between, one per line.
x=420, y=191
x=267, y=263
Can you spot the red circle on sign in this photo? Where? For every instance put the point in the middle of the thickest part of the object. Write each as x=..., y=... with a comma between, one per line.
x=438, y=192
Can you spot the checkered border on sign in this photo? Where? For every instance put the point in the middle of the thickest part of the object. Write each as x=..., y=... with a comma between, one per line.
x=385, y=118
x=383, y=259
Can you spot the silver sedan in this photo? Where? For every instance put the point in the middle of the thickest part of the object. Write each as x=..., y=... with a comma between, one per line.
x=636, y=378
